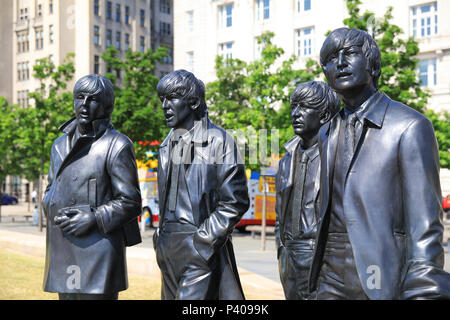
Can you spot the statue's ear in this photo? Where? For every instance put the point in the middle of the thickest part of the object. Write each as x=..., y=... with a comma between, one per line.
x=326, y=116
x=195, y=104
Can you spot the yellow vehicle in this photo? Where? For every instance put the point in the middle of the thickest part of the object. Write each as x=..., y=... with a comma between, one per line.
x=150, y=208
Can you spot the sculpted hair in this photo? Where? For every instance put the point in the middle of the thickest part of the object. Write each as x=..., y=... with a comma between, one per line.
x=187, y=86
x=344, y=38
x=316, y=95
x=97, y=85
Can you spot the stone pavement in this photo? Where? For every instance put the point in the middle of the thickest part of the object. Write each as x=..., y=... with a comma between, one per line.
x=258, y=269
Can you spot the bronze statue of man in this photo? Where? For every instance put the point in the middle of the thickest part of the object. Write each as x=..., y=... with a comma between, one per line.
x=202, y=196
x=92, y=200
x=297, y=182
x=380, y=235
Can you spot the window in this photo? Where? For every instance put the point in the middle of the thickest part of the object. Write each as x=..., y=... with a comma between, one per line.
x=427, y=73
x=263, y=9
x=226, y=50
x=23, y=41
x=259, y=48
x=424, y=20
x=97, y=35
x=118, y=12
x=50, y=7
x=164, y=6
x=303, y=5
x=169, y=58
x=164, y=28
x=142, y=44
x=127, y=41
x=109, y=10
x=39, y=10
x=190, y=61
x=304, y=42
x=96, y=7
x=23, y=15
x=96, y=64
x=23, y=71
x=118, y=40
x=226, y=16
x=23, y=98
x=190, y=19
x=51, y=33
x=127, y=15
x=39, y=39
x=142, y=17
x=108, y=38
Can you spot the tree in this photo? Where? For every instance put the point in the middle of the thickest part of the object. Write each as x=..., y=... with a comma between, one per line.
x=399, y=78
x=38, y=123
x=255, y=95
x=8, y=151
x=137, y=112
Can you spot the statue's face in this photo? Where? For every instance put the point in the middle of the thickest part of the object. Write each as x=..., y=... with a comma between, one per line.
x=88, y=107
x=347, y=69
x=305, y=121
x=177, y=111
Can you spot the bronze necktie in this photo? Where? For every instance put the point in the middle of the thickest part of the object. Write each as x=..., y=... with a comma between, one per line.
x=350, y=138
x=299, y=185
x=177, y=153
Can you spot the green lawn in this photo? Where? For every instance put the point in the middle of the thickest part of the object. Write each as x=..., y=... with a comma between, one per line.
x=21, y=279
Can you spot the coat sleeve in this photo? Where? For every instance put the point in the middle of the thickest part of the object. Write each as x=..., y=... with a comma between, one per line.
x=423, y=276
x=126, y=196
x=51, y=174
x=278, y=203
x=233, y=202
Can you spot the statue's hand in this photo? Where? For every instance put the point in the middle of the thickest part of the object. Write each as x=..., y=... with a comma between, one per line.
x=79, y=223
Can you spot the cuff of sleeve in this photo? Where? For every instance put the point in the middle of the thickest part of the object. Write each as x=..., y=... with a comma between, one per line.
x=98, y=219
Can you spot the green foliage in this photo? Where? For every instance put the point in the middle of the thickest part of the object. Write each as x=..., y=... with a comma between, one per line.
x=256, y=94
x=32, y=129
x=8, y=133
x=137, y=112
x=441, y=124
x=399, y=78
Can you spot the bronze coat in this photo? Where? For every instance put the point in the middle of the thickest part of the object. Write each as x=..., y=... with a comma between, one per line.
x=217, y=190
x=392, y=203
x=101, y=172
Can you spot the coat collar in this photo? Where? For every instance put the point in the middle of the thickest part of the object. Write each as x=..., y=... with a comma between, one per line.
x=292, y=145
x=99, y=125
x=199, y=135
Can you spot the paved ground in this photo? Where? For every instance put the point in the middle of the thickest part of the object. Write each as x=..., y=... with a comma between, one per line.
x=258, y=269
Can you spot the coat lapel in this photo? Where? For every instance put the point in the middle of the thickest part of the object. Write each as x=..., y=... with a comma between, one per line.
x=288, y=177
x=163, y=169
x=373, y=118
x=196, y=170
x=327, y=146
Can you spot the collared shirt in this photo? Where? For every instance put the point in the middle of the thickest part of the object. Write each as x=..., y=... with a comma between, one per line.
x=337, y=221
x=308, y=215
x=183, y=211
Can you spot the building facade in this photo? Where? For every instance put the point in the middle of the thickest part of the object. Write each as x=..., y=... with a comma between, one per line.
x=206, y=28
x=36, y=29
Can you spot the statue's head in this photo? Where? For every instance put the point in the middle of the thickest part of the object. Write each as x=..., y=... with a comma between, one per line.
x=350, y=58
x=312, y=105
x=93, y=98
x=183, y=98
